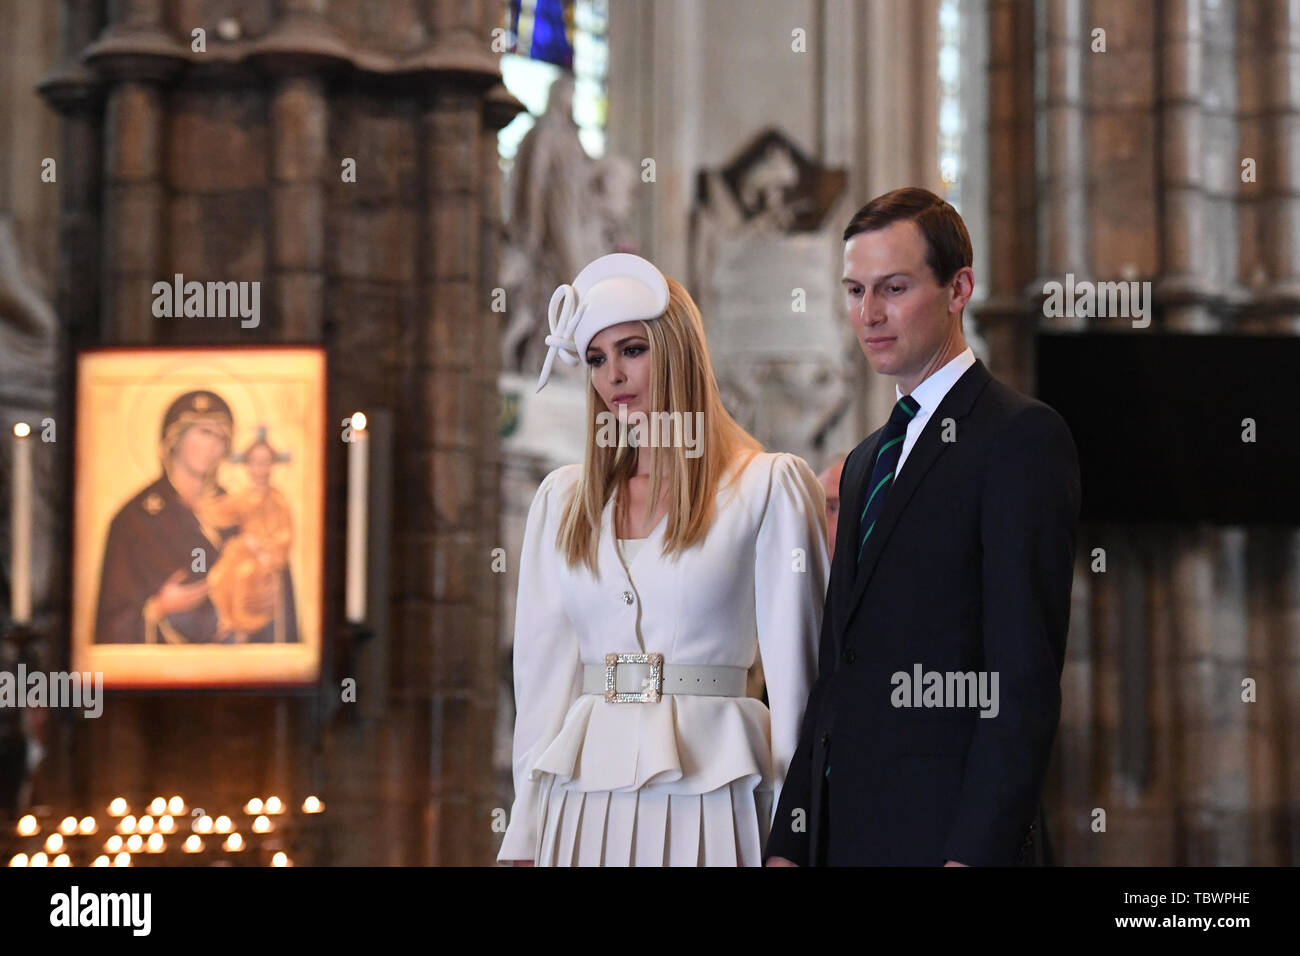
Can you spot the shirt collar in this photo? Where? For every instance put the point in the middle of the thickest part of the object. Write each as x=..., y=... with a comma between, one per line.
x=931, y=392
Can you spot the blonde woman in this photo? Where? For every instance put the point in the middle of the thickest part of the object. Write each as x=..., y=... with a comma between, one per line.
x=651, y=575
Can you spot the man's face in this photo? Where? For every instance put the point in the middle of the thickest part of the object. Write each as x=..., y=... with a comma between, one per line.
x=619, y=357
x=830, y=479
x=903, y=318
x=200, y=447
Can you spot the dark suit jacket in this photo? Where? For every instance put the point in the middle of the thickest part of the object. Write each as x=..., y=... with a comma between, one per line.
x=968, y=569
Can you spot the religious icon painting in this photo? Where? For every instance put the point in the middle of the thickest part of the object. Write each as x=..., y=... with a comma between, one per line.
x=199, y=516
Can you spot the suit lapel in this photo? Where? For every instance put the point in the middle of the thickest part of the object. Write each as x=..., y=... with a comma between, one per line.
x=956, y=405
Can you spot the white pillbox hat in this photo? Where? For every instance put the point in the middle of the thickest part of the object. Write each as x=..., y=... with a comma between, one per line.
x=619, y=287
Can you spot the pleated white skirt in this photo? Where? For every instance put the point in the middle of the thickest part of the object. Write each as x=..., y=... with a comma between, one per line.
x=646, y=827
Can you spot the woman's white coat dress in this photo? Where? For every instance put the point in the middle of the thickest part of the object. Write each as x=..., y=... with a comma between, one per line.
x=689, y=780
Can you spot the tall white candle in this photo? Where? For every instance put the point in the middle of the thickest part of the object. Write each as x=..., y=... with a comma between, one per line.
x=20, y=526
x=358, y=478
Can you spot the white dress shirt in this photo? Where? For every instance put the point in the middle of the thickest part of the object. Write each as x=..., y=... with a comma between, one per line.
x=928, y=395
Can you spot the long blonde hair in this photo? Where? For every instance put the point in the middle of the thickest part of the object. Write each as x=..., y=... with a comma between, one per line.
x=681, y=381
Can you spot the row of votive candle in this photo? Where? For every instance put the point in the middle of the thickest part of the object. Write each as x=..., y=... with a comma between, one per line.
x=145, y=834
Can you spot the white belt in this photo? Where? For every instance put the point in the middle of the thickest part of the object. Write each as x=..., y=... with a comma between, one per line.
x=644, y=678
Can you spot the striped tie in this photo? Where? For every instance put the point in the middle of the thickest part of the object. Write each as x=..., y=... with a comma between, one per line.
x=882, y=473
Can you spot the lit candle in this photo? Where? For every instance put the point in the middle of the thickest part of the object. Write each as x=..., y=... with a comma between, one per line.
x=20, y=526
x=54, y=843
x=234, y=843
x=118, y=807
x=28, y=826
x=281, y=859
x=193, y=843
x=253, y=807
x=88, y=825
x=262, y=824
x=273, y=805
x=358, y=477
x=312, y=805
x=68, y=826
x=100, y=860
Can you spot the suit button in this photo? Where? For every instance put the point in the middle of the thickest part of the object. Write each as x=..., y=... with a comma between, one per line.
x=826, y=739
x=626, y=597
x=849, y=656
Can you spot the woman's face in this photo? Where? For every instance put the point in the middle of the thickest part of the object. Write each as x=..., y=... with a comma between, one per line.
x=619, y=357
x=200, y=448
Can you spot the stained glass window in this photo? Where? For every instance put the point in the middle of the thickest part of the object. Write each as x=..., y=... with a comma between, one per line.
x=546, y=38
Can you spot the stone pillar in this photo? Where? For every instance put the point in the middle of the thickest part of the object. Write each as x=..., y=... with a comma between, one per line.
x=453, y=550
x=137, y=55
x=1062, y=188
x=1006, y=319
x=299, y=120
x=134, y=206
x=76, y=93
x=1071, y=786
x=1281, y=64
x=1182, y=288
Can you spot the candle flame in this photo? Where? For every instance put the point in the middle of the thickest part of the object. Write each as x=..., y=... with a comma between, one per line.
x=358, y=421
x=22, y=429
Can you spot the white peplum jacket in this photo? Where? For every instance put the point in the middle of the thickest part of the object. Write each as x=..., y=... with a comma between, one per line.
x=688, y=780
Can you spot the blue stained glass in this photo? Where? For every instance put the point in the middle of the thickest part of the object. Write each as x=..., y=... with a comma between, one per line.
x=547, y=32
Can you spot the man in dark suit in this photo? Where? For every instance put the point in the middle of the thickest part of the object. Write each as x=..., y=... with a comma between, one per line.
x=926, y=736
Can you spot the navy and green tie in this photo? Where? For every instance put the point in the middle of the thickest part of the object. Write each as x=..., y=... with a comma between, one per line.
x=889, y=450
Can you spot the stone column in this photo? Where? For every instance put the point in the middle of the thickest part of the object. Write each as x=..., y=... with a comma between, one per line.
x=1007, y=321
x=1183, y=287
x=299, y=120
x=451, y=548
x=1062, y=188
x=1074, y=778
x=138, y=56
x=1281, y=177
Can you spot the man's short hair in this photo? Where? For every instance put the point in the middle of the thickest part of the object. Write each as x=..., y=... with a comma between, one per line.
x=947, y=243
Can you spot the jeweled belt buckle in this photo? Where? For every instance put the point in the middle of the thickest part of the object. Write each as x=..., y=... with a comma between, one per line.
x=651, y=695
